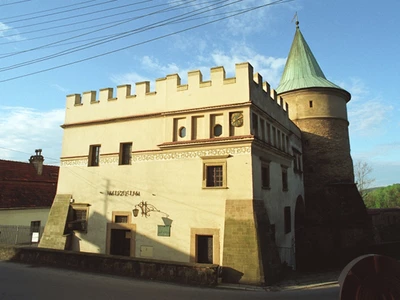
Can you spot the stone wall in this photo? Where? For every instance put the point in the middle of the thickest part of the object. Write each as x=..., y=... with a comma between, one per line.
x=186, y=273
x=249, y=254
x=386, y=223
x=326, y=153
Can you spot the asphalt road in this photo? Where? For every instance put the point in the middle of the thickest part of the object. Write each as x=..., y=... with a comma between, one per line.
x=20, y=281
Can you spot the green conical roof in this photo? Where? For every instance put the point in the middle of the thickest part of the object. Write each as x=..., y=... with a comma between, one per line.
x=302, y=69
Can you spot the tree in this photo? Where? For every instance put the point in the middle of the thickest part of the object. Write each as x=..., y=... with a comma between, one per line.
x=384, y=197
x=362, y=171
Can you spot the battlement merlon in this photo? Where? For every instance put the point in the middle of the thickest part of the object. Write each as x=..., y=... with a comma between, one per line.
x=170, y=94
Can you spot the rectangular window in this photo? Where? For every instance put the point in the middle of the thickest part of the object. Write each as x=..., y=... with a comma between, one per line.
x=125, y=153
x=262, y=125
x=214, y=172
x=121, y=219
x=35, y=226
x=265, y=178
x=274, y=138
x=255, y=124
x=311, y=104
x=78, y=218
x=272, y=232
x=94, y=155
x=278, y=143
x=284, y=179
x=287, y=144
x=297, y=168
x=214, y=176
x=288, y=219
x=269, y=133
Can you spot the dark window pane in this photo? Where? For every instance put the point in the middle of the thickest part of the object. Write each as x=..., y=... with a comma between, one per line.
x=214, y=176
x=265, y=176
x=121, y=219
x=125, y=155
x=182, y=132
x=288, y=220
x=284, y=180
x=94, y=155
x=35, y=226
x=217, y=130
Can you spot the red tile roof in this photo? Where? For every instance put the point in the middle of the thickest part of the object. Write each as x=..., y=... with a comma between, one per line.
x=22, y=187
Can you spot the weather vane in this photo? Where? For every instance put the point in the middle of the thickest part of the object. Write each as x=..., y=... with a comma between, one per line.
x=297, y=19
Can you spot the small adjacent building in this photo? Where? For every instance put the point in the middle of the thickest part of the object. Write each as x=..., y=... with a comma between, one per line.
x=27, y=191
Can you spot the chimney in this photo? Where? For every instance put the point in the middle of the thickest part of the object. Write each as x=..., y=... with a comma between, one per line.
x=37, y=161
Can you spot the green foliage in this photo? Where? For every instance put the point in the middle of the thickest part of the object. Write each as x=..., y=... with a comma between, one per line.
x=384, y=197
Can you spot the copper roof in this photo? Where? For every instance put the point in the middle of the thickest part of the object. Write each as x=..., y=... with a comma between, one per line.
x=22, y=187
x=302, y=69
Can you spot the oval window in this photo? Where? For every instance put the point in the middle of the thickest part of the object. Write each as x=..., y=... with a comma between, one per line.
x=182, y=132
x=217, y=130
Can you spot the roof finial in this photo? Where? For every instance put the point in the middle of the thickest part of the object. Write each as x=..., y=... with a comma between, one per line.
x=297, y=20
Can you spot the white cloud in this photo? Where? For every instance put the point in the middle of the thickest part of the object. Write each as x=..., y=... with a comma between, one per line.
x=26, y=129
x=237, y=17
x=368, y=113
x=9, y=33
x=127, y=78
x=154, y=65
x=269, y=67
x=60, y=88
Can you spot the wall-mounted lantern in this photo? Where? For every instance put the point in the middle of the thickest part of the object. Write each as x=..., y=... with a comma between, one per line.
x=145, y=209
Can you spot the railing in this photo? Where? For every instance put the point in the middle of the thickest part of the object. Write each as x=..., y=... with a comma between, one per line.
x=17, y=235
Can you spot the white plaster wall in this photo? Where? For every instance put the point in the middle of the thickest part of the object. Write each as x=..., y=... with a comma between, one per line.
x=24, y=216
x=173, y=186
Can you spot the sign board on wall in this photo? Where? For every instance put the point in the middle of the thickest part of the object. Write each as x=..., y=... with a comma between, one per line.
x=164, y=230
x=35, y=237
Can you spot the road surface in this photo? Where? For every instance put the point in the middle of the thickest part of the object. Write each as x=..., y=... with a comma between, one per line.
x=21, y=281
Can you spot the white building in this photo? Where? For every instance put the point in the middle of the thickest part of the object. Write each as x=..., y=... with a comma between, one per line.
x=214, y=168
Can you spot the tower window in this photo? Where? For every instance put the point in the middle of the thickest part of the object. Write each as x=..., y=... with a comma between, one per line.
x=311, y=104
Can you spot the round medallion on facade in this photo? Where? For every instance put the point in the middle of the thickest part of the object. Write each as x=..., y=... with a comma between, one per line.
x=237, y=119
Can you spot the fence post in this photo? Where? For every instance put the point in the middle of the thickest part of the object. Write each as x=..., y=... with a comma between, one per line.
x=16, y=236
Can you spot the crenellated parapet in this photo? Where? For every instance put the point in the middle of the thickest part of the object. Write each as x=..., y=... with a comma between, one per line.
x=170, y=94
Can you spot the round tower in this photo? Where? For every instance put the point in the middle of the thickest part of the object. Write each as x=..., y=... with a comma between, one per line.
x=318, y=107
x=337, y=224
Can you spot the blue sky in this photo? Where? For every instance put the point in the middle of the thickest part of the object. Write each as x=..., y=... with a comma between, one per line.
x=355, y=42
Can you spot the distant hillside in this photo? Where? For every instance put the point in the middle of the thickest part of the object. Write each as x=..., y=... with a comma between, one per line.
x=383, y=197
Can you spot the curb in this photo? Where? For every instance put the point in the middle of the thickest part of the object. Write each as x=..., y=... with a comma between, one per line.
x=276, y=288
x=308, y=286
x=242, y=287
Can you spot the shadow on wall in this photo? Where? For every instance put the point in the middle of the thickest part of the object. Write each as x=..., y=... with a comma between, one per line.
x=123, y=239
